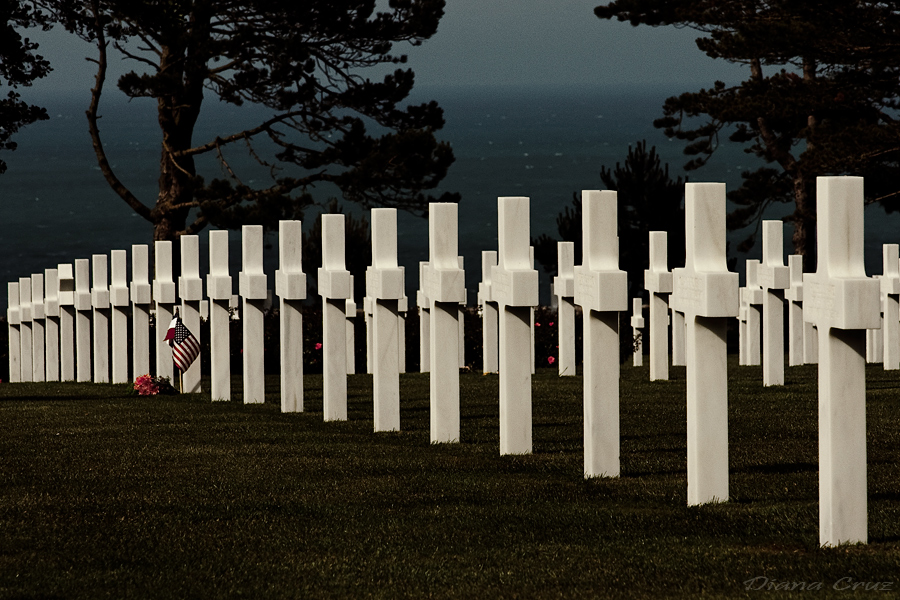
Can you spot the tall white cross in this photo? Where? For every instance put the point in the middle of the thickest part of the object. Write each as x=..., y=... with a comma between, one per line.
x=350, y=313
x=445, y=289
x=564, y=290
x=290, y=286
x=190, y=290
x=252, y=283
x=773, y=277
x=51, y=310
x=26, y=334
x=601, y=291
x=658, y=283
x=66, y=275
x=118, y=299
x=83, y=319
x=842, y=302
x=514, y=286
x=794, y=295
x=38, y=318
x=754, y=312
x=384, y=287
x=489, y=314
x=890, y=292
x=100, y=304
x=141, y=296
x=637, y=324
x=164, y=296
x=424, y=321
x=218, y=289
x=334, y=287
x=707, y=293
x=14, y=319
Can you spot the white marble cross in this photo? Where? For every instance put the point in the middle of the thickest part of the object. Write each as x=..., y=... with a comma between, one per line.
x=164, y=297
x=51, y=310
x=118, y=299
x=794, y=295
x=218, y=289
x=38, y=318
x=83, y=319
x=384, y=287
x=141, y=297
x=424, y=321
x=26, y=333
x=637, y=324
x=100, y=304
x=707, y=293
x=334, y=287
x=842, y=302
x=658, y=283
x=601, y=291
x=514, y=286
x=773, y=278
x=14, y=319
x=190, y=290
x=754, y=294
x=564, y=290
x=402, y=309
x=252, y=284
x=489, y=314
x=461, y=319
x=66, y=276
x=743, y=338
x=290, y=285
x=350, y=313
x=890, y=292
x=445, y=289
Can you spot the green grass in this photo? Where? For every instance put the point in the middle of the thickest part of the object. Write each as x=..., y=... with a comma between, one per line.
x=105, y=495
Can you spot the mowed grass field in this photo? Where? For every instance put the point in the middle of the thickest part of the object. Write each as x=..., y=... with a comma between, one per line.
x=107, y=495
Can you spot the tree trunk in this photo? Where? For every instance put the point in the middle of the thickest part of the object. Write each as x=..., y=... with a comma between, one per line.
x=804, y=220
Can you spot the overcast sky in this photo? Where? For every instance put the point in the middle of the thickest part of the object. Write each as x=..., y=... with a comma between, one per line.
x=486, y=42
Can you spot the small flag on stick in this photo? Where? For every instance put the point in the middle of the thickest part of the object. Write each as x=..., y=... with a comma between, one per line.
x=185, y=347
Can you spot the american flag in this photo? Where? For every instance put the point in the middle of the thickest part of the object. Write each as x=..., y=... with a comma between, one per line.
x=185, y=347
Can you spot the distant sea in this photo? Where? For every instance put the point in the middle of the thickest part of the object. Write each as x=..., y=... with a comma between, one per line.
x=546, y=143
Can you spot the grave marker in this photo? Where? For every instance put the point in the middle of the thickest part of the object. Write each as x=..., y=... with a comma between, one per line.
x=100, y=304
x=743, y=336
x=424, y=321
x=141, y=298
x=290, y=285
x=489, y=314
x=794, y=295
x=51, y=310
x=118, y=299
x=402, y=307
x=637, y=323
x=773, y=278
x=38, y=317
x=164, y=296
x=461, y=319
x=384, y=288
x=66, y=276
x=83, y=310
x=190, y=290
x=14, y=319
x=707, y=293
x=754, y=313
x=658, y=283
x=564, y=290
x=842, y=302
x=514, y=286
x=334, y=287
x=26, y=334
x=350, y=313
x=601, y=291
x=218, y=290
x=890, y=292
x=445, y=289
x=252, y=283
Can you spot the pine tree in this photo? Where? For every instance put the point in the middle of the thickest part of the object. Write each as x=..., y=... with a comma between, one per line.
x=820, y=98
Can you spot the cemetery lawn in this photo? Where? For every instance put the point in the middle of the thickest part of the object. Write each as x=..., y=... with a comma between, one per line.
x=103, y=494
